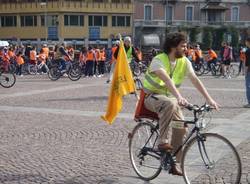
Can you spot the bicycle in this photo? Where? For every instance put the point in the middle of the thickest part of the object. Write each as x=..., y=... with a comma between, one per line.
x=216, y=70
x=7, y=80
x=207, y=157
x=73, y=70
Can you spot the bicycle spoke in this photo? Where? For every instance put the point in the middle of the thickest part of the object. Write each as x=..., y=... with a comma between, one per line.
x=211, y=159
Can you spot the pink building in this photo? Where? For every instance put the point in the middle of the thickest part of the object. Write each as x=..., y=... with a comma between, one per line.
x=154, y=16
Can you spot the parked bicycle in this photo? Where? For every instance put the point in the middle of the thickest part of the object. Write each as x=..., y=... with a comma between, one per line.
x=207, y=157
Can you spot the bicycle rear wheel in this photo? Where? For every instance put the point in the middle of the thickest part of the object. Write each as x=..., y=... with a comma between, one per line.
x=211, y=159
x=233, y=70
x=145, y=161
x=54, y=73
x=7, y=80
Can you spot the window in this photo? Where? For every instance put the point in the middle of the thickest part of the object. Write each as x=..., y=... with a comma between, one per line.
x=73, y=20
x=189, y=13
x=28, y=21
x=121, y=21
x=95, y=20
x=235, y=14
x=8, y=21
x=169, y=13
x=51, y=20
x=148, y=12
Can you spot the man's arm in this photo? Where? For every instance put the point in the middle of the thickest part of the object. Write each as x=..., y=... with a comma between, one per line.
x=116, y=52
x=135, y=55
x=201, y=88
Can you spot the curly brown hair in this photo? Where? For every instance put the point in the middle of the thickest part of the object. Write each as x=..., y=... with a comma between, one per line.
x=173, y=40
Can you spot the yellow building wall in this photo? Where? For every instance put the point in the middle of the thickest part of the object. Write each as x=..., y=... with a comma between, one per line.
x=60, y=8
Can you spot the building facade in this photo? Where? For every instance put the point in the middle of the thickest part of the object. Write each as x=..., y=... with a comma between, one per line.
x=157, y=15
x=77, y=21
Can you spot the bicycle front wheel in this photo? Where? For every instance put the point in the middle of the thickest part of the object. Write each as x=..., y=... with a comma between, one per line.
x=75, y=73
x=211, y=158
x=142, y=143
x=7, y=80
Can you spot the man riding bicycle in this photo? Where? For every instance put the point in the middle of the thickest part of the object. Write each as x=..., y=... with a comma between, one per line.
x=60, y=54
x=164, y=75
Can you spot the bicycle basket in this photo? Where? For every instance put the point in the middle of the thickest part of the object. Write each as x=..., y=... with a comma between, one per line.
x=141, y=111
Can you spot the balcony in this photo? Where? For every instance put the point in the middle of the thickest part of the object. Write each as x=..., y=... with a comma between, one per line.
x=194, y=23
x=214, y=1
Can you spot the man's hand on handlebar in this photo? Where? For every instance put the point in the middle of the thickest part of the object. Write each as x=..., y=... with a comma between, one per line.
x=213, y=104
x=182, y=101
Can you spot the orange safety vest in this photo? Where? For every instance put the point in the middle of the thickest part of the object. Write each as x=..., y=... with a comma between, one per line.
x=242, y=56
x=46, y=51
x=212, y=55
x=191, y=54
x=82, y=57
x=42, y=58
x=19, y=60
x=90, y=56
x=198, y=53
x=11, y=54
x=33, y=55
x=139, y=54
x=102, y=56
x=6, y=58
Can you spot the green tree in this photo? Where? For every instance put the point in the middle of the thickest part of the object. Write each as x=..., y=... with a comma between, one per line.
x=207, y=37
x=218, y=37
x=235, y=36
x=193, y=32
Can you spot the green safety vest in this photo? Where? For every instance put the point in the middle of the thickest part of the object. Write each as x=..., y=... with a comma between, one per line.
x=129, y=54
x=153, y=84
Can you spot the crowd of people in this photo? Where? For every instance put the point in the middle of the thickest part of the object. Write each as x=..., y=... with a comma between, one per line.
x=95, y=59
x=92, y=58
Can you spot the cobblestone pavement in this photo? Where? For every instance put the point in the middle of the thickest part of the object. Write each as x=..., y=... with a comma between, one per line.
x=51, y=132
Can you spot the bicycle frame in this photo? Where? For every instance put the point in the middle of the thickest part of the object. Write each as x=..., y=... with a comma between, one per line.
x=201, y=146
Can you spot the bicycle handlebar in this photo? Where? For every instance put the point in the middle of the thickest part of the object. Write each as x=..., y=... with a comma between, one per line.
x=196, y=108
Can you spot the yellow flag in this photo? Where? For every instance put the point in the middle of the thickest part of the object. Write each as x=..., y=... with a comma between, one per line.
x=122, y=84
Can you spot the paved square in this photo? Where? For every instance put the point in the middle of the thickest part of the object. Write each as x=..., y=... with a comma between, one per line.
x=51, y=132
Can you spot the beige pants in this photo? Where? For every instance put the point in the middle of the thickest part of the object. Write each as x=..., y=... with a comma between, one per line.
x=167, y=110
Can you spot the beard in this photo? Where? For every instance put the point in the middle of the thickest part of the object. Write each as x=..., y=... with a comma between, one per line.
x=179, y=54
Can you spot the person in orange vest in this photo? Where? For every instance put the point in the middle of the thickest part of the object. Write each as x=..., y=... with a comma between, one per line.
x=42, y=59
x=33, y=55
x=20, y=62
x=5, y=59
x=139, y=53
x=113, y=60
x=90, y=62
x=96, y=53
x=242, y=60
x=191, y=54
x=198, y=54
x=212, y=57
x=101, y=62
x=83, y=55
x=45, y=51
